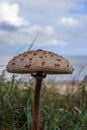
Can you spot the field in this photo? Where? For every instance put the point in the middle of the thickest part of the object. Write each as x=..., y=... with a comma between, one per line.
x=63, y=105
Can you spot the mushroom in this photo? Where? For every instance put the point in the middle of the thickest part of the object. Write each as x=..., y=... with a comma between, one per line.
x=39, y=63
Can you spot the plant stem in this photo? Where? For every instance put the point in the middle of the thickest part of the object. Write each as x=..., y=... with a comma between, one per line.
x=36, y=107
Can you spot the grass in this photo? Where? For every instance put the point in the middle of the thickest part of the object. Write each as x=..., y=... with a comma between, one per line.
x=58, y=112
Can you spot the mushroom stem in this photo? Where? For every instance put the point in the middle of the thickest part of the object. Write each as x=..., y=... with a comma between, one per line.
x=36, y=106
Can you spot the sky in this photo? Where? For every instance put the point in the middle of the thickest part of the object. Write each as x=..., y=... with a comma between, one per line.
x=56, y=25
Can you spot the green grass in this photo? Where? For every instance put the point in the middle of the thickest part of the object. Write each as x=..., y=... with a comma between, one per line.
x=58, y=112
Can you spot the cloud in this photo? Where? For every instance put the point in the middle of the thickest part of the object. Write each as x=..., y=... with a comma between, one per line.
x=53, y=42
x=47, y=29
x=68, y=21
x=56, y=22
x=60, y=43
x=25, y=34
x=9, y=13
x=8, y=27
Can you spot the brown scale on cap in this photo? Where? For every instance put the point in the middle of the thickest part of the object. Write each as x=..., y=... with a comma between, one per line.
x=57, y=65
x=24, y=55
x=40, y=56
x=22, y=59
x=18, y=55
x=58, y=59
x=30, y=59
x=28, y=66
x=14, y=58
x=34, y=54
x=13, y=63
x=67, y=65
x=43, y=62
x=39, y=50
x=52, y=55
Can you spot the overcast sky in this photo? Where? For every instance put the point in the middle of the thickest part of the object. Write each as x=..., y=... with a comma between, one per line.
x=58, y=25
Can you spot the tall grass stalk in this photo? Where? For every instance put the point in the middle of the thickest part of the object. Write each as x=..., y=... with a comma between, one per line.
x=57, y=112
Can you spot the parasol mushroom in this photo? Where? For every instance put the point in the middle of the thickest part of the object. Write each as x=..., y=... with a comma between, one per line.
x=39, y=63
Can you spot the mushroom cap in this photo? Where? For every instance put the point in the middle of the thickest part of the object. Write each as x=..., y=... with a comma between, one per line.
x=39, y=60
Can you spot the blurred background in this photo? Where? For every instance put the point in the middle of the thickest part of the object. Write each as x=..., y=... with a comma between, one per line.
x=59, y=26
